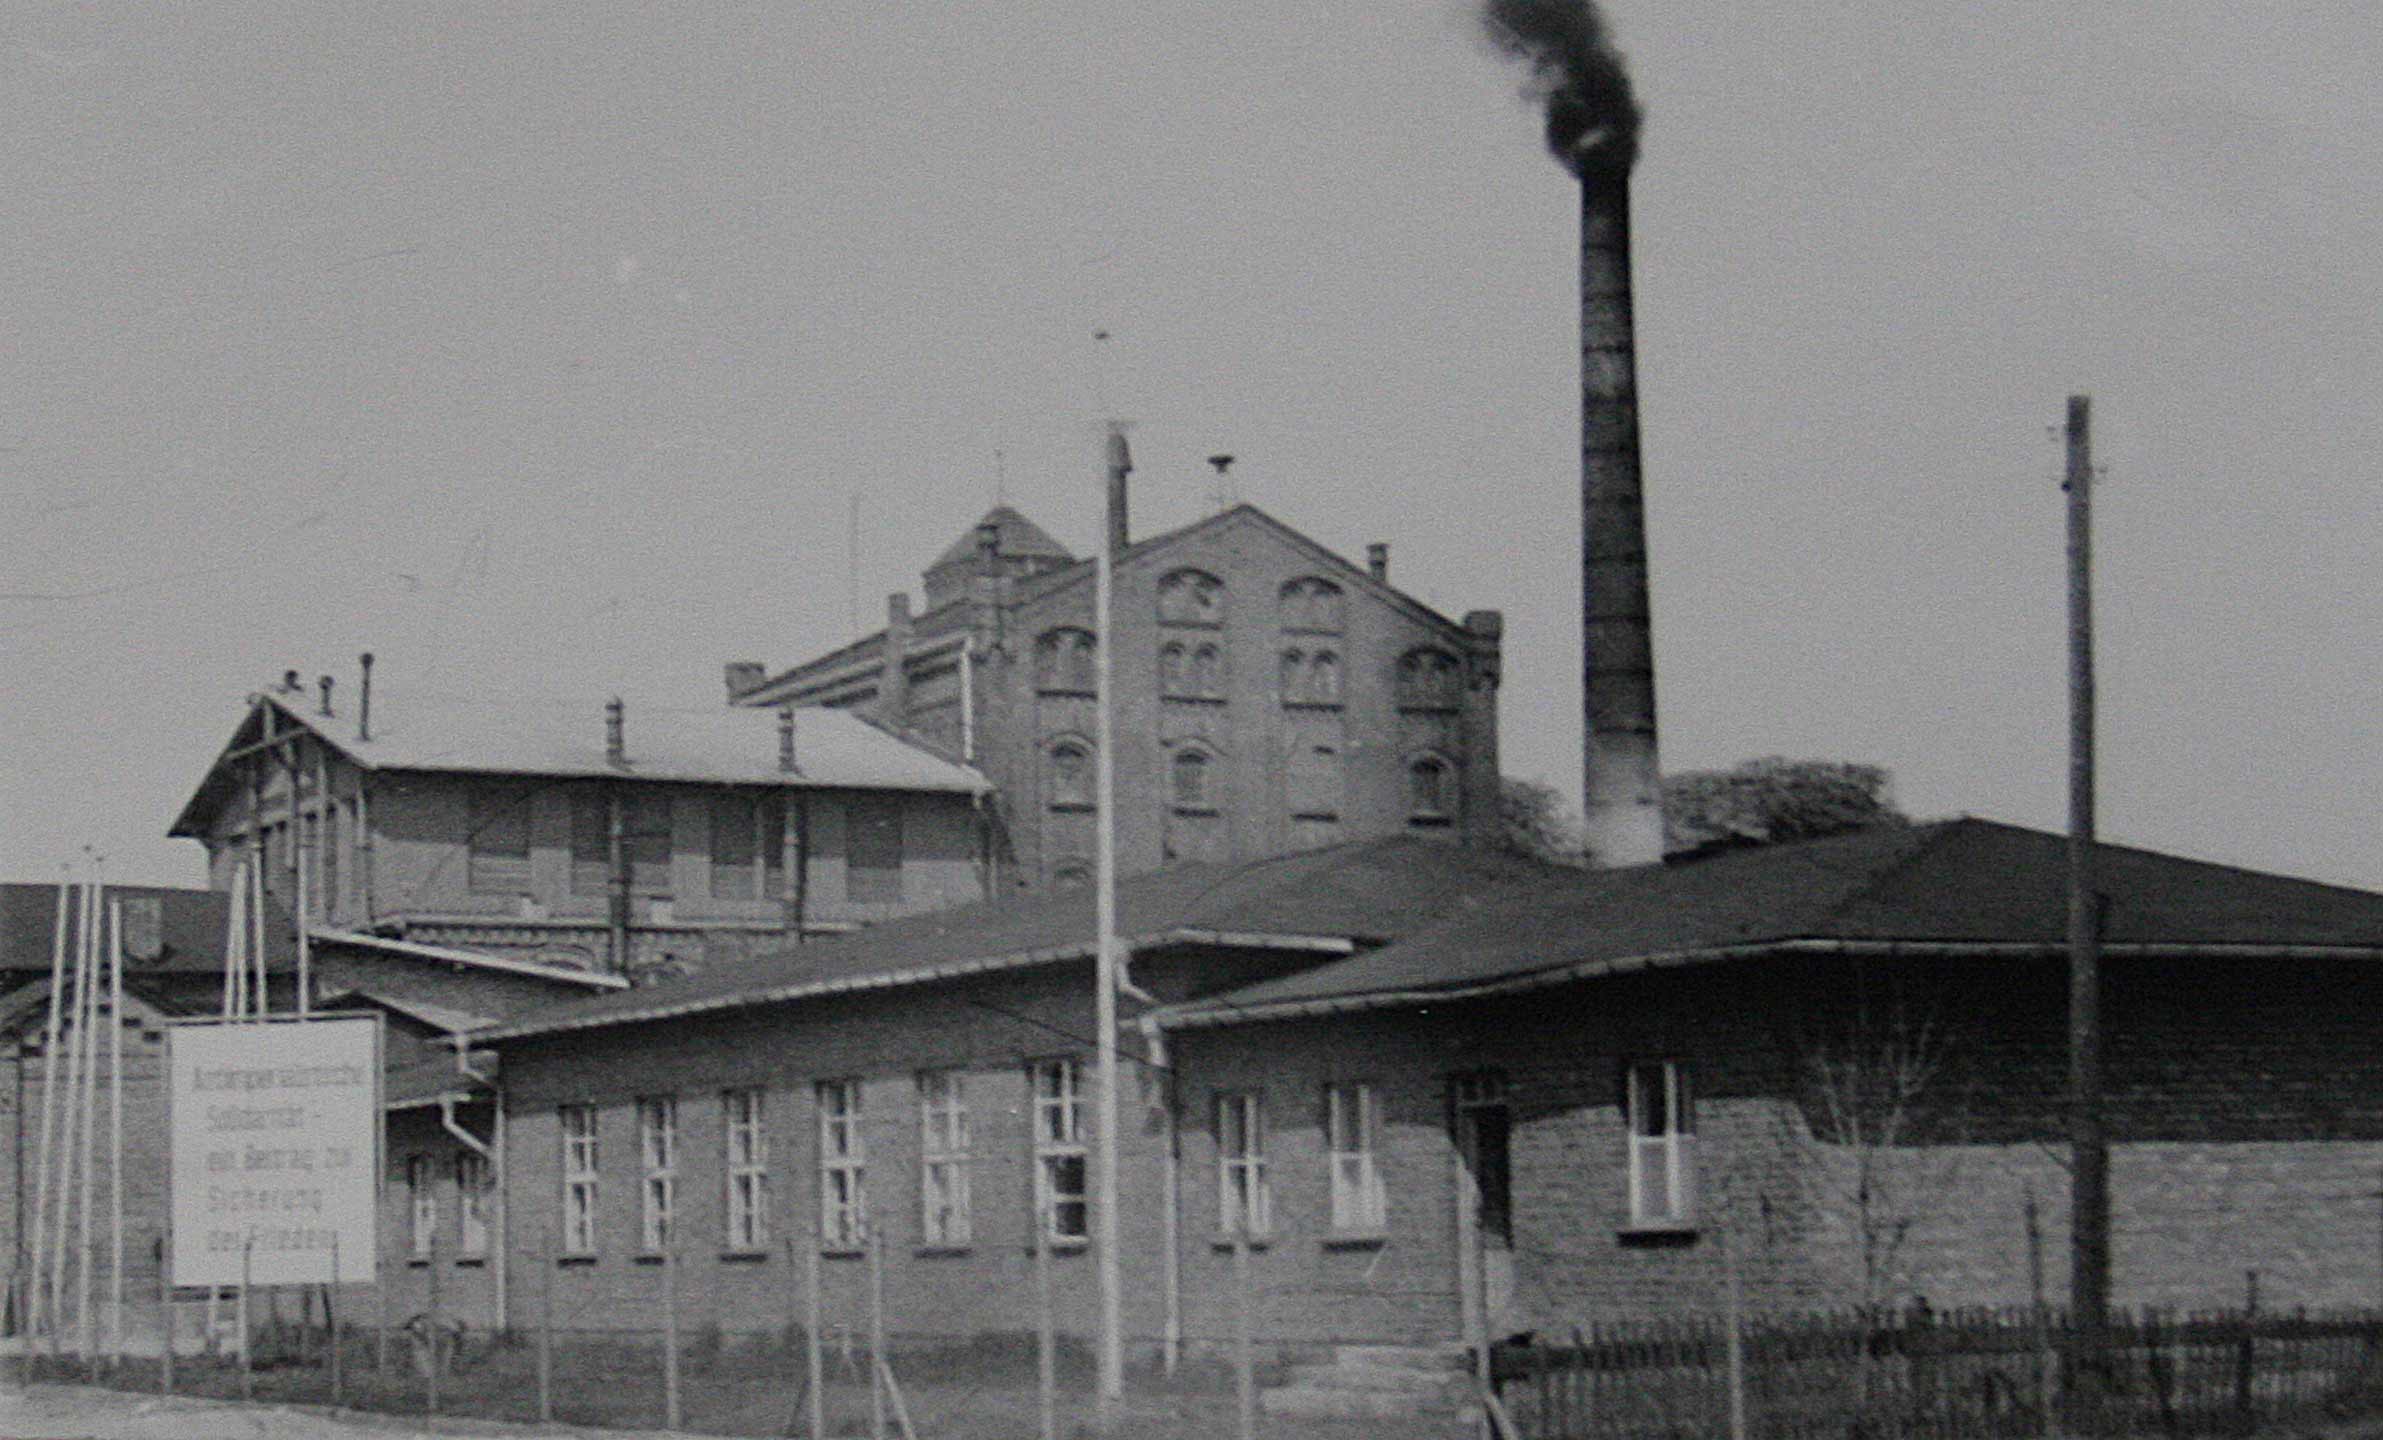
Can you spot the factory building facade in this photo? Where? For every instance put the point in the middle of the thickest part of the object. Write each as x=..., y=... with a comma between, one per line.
x=1270, y=696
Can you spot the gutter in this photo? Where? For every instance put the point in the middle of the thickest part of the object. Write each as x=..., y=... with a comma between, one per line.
x=1225, y=1012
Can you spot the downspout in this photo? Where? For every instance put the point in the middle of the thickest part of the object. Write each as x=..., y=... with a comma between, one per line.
x=1154, y=1042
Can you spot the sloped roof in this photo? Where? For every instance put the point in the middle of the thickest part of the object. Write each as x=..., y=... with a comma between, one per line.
x=1967, y=883
x=451, y=955
x=444, y=1018
x=190, y=929
x=531, y=735
x=1328, y=900
x=1019, y=536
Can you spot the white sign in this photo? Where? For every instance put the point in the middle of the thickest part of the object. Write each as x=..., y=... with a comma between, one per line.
x=276, y=1150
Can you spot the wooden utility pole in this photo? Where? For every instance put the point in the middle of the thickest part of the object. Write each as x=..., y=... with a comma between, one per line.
x=1106, y=1260
x=2089, y=1146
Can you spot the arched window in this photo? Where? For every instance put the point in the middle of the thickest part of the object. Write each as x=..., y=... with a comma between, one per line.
x=1430, y=680
x=1430, y=790
x=1064, y=662
x=1071, y=875
x=1310, y=603
x=1294, y=675
x=1071, y=775
x=1191, y=779
x=1191, y=597
x=1323, y=678
x=1174, y=669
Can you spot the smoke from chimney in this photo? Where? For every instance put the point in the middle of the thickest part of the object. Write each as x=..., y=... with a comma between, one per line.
x=1592, y=127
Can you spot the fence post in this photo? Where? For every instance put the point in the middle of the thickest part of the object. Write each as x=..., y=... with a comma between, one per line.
x=1046, y=1342
x=165, y=1318
x=812, y=1356
x=380, y=1290
x=546, y=1325
x=247, y=1379
x=1737, y=1340
x=430, y=1326
x=1245, y=1379
x=876, y=1331
x=331, y=1328
x=670, y=1395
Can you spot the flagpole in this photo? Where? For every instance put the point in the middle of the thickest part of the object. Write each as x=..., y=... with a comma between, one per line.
x=1112, y=1343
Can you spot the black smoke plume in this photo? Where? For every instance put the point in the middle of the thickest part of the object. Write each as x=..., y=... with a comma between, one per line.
x=1592, y=116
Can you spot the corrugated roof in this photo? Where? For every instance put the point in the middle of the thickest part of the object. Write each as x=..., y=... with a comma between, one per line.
x=190, y=929
x=531, y=735
x=1361, y=892
x=1958, y=882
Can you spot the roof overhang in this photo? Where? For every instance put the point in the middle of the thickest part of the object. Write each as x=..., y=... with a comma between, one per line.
x=923, y=975
x=414, y=950
x=1211, y=1013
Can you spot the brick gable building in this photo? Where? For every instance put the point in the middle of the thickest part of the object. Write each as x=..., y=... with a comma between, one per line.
x=1270, y=695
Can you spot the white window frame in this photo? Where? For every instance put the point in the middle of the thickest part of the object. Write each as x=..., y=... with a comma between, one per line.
x=843, y=1166
x=657, y=1153
x=746, y=1144
x=422, y=1197
x=472, y=1190
x=578, y=1125
x=943, y=1158
x=1352, y=1128
x=1662, y=1144
x=1244, y=1200
x=1059, y=1151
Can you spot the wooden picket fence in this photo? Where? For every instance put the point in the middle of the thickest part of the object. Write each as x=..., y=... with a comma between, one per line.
x=2017, y=1373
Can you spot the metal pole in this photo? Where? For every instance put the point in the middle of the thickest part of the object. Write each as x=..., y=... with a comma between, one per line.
x=1245, y=1380
x=49, y=1112
x=817, y=1374
x=247, y=1376
x=165, y=1314
x=431, y=1325
x=331, y=1325
x=116, y=1132
x=546, y=1325
x=2089, y=1212
x=1111, y=1359
x=84, y=1245
x=1737, y=1340
x=63, y=1165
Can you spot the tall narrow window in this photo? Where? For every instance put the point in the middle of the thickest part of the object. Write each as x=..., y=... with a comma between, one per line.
x=497, y=856
x=843, y=1212
x=873, y=857
x=1191, y=781
x=471, y=1204
x=579, y=1179
x=748, y=1170
x=1059, y=1151
x=422, y=1195
x=1358, y=1204
x=1662, y=1145
x=657, y=1142
x=734, y=823
x=645, y=834
x=1243, y=1204
x=591, y=840
x=1071, y=776
x=334, y=832
x=1427, y=791
x=1208, y=673
x=943, y=1157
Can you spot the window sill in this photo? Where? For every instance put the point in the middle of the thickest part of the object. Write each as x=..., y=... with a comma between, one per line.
x=1658, y=1234
x=843, y=1252
x=1256, y=1242
x=648, y=1257
x=956, y=1247
x=1429, y=822
x=471, y=1262
x=1356, y=1239
x=417, y=1262
x=574, y=1260
x=1311, y=704
x=1072, y=807
x=1195, y=810
x=1186, y=697
x=1067, y=1245
x=743, y=1257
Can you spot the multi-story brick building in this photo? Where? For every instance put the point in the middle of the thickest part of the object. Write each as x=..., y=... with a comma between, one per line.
x=566, y=837
x=1270, y=696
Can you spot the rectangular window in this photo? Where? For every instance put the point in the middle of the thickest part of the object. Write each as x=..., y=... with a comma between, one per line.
x=1242, y=1202
x=748, y=1170
x=334, y=831
x=943, y=1154
x=422, y=1194
x=1350, y=1122
x=1059, y=1187
x=873, y=853
x=843, y=1167
x=498, y=843
x=591, y=841
x=579, y=1179
x=748, y=847
x=1662, y=1145
x=657, y=1145
x=471, y=1204
x=645, y=834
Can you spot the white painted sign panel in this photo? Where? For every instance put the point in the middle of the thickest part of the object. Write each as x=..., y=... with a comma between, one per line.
x=275, y=1149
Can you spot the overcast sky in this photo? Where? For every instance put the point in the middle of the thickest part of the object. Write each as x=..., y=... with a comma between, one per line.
x=542, y=350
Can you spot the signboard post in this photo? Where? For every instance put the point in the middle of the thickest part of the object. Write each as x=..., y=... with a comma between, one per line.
x=275, y=1144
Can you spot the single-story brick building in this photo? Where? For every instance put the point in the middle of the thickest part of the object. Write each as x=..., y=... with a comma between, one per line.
x=1455, y=1098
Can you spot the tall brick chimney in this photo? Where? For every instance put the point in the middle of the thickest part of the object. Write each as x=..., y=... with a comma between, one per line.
x=1622, y=794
